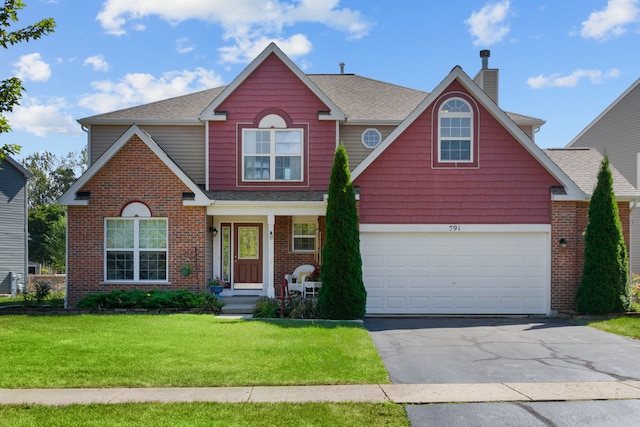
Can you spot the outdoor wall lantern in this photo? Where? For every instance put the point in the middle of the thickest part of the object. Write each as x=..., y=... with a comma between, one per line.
x=213, y=231
x=563, y=242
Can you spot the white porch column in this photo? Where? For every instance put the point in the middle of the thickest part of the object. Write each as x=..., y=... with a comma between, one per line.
x=271, y=220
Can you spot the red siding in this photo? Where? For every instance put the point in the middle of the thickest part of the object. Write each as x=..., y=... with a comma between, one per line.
x=134, y=174
x=509, y=186
x=271, y=85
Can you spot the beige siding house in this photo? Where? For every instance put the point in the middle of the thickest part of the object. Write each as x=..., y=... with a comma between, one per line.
x=616, y=132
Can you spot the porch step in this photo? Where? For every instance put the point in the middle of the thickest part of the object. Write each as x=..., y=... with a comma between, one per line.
x=239, y=304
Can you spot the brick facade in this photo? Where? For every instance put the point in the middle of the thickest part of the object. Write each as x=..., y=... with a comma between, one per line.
x=134, y=174
x=285, y=260
x=569, y=221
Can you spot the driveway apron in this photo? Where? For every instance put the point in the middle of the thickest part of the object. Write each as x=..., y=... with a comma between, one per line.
x=498, y=350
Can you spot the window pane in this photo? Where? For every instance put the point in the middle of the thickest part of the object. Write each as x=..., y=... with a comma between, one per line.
x=153, y=265
x=256, y=168
x=303, y=244
x=226, y=253
x=120, y=265
x=119, y=233
x=288, y=168
x=153, y=234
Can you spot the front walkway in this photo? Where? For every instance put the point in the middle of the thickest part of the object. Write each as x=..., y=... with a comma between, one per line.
x=396, y=393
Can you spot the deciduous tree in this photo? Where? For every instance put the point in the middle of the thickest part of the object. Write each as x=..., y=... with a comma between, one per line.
x=11, y=88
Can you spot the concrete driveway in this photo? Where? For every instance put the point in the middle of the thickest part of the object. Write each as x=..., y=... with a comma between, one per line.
x=505, y=350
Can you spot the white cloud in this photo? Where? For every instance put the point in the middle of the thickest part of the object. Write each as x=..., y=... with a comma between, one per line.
x=611, y=21
x=247, y=49
x=488, y=25
x=32, y=67
x=248, y=23
x=139, y=88
x=183, y=45
x=97, y=62
x=572, y=80
x=43, y=119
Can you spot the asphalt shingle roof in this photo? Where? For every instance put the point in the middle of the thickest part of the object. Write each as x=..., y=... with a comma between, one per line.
x=362, y=100
x=582, y=166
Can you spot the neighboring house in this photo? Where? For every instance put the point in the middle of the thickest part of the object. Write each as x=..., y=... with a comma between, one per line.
x=616, y=132
x=460, y=212
x=14, y=253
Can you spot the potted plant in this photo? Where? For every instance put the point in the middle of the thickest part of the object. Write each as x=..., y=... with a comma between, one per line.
x=216, y=285
x=186, y=269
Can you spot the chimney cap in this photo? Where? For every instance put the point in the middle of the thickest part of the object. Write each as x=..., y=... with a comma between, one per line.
x=485, y=53
x=341, y=67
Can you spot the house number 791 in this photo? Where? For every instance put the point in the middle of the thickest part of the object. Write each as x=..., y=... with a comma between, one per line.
x=455, y=228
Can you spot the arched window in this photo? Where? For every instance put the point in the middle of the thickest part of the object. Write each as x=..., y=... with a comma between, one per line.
x=455, y=131
x=135, y=246
x=272, y=152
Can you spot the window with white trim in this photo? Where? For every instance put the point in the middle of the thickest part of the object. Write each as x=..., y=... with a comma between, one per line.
x=136, y=248
x=272, y=154
x=455, y=131
x=304, y=236
x=371, y=138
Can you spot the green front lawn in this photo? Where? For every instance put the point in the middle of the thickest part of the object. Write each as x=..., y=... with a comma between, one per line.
x=182, y=350
x=207, y=414
x=627, y=326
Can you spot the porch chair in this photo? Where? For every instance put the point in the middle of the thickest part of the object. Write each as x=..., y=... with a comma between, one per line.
x=295, y=279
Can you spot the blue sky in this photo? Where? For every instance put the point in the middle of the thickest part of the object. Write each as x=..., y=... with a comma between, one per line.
x=561, y=61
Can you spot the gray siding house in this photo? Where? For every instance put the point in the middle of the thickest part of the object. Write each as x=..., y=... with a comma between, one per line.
x=14, y=254
x=616, y=132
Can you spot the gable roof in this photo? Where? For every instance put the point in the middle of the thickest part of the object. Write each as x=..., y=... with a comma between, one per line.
x=9, y=160
x=573, y=191
x=69, y=199
x=209, y=113
x=583, y=164
x=630, y=89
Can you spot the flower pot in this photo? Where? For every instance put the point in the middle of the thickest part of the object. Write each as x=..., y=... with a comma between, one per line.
x=216, y=289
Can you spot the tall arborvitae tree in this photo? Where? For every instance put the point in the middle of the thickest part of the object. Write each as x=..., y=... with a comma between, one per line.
x=342, y=295
x=604, y=286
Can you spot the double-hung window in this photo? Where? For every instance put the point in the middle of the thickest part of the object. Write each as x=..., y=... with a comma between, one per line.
x=136, y=249
x=304, y=236
x=455, y=131
x=272, y=154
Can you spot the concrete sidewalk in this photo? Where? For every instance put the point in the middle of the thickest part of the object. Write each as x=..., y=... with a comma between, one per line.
x=396, y=393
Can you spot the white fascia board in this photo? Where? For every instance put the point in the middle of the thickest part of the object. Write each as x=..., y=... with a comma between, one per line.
x=143, y=122
x=456, y=228
x=335, y=113
x=267, y=208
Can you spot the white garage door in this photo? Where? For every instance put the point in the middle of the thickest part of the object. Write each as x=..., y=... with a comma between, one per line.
x=456, y=272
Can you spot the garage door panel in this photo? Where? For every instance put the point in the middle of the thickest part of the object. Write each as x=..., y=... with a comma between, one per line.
x=461, y=273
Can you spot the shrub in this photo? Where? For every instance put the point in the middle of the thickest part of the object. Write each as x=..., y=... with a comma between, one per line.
x=42, y=290
x=267, y=308
x=155, y=299
x=298, y=308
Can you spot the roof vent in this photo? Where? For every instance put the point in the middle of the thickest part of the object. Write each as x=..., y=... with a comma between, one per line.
x=485, y=54
x=341, y=68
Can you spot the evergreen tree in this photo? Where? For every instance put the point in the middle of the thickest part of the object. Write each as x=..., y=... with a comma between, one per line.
x=604, y=285
x=342, y=295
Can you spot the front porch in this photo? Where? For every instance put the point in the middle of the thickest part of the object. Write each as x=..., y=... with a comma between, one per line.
x=252, y=253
